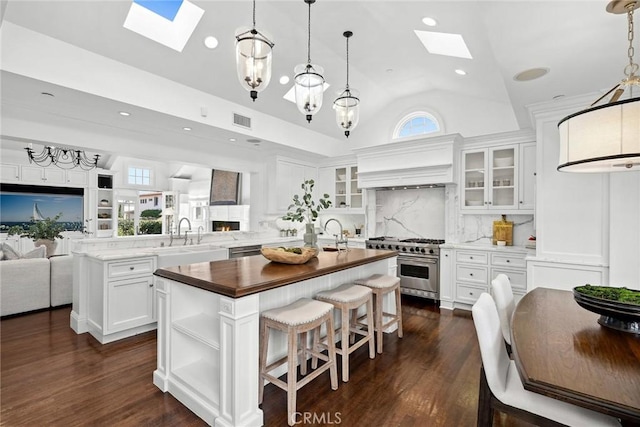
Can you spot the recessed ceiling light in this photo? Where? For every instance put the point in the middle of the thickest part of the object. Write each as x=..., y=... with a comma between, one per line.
x=124, y=113
x=47, y=94
x=211, y=42
x=530, y=74
x=461, y=72
x=232, y=139
x=284, y=80
x=429, y=22
x=187, y=128
x=444, y=44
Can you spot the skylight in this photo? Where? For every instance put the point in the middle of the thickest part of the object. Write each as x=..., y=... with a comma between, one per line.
x=291, y=93
x=444, y=44
x=168, y=22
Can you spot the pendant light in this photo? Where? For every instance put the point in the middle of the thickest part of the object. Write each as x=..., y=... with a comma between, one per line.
x=253, y=58
x=347, y=105
x=606, y=138
x=309, y=83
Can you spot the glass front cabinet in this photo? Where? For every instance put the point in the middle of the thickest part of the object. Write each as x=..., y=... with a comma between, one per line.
x=490, y=178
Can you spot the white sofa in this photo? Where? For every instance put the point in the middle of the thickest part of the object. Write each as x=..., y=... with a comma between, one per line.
x=32, y=284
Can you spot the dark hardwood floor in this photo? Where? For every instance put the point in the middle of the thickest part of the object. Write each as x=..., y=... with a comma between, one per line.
x=51, y=376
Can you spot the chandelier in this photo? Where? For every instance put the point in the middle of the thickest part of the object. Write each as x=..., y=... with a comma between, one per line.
x=606, y=138
x=64, y=158
x=253, y=59
x=347, y=105
x=309, y=83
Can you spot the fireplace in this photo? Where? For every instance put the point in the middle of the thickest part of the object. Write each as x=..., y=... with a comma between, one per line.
x=225, y=225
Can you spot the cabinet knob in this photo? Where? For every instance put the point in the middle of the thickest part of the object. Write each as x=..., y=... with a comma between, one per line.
x=151, y=285
x=489, y=202
x=446, y=255
x=131, y=268
x=471, y=274
x=470, y=257
x=508, y=260
x=520, y=201
x=470, y=293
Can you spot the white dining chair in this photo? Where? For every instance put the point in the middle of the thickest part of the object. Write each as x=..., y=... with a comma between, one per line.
x=503, y=297
x=502, y=389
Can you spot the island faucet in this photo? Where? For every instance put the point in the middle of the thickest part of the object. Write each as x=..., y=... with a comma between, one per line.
x=339, y=239
x=200, y=228
x=170, y=236
x=186, y=232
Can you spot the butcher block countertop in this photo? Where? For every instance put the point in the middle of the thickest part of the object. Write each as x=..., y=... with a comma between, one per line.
x=239, y=277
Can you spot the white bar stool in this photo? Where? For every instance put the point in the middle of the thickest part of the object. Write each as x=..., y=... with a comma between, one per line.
x=381, y=285
x=299, y=317
x=349, y=297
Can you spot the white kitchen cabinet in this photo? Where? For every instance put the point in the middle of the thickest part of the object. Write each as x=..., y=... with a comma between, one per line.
x=43, y=176
x=121, y=297
x=490, y=178
x=341, y=184
x=446, y=278
x=472, y=270
x=289, y=176
x=77, y=178
x=527, y=177
x=9, y=172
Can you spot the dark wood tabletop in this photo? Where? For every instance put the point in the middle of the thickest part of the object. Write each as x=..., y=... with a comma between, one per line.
x=562, y=352
x=244, y=276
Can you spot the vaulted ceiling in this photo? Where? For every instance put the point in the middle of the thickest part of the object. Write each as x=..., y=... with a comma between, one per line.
x=582, y=45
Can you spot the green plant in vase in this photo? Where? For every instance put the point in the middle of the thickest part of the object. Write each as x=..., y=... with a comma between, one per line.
x=305, y=209
x=43, y=232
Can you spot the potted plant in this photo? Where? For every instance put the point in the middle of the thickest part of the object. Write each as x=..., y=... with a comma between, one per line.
x=305, y=209
x=43, y=232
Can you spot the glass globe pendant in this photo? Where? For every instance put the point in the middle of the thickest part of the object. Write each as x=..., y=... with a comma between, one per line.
x=347, y=104
x=253, y=59
x=309, y=83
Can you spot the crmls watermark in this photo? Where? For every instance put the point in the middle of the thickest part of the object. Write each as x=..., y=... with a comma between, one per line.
x=317, y=418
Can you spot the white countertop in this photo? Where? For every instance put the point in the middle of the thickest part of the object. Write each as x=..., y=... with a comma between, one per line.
x=486, y=247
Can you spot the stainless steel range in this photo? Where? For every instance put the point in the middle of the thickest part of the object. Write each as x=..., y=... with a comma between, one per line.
x=418, y=263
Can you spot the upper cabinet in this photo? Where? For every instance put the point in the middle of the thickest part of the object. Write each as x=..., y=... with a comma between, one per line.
x=38, y=175
x=287, y=178
x=341, y=184
x=498, y=178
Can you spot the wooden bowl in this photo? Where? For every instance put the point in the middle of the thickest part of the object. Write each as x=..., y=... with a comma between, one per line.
x=284, y=257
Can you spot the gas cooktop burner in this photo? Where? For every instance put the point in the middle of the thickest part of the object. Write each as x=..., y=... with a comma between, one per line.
x=381, y=238
x=425, y=241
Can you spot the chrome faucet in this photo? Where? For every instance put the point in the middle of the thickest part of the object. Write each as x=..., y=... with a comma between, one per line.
x=200, y=228
x=186, y=232
x=170, y=236
x=339, y=239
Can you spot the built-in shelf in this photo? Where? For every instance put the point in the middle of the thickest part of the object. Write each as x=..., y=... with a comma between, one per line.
x=201, y=327
x=202, y=377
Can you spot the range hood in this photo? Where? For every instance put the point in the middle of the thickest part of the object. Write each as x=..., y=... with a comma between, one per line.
x=420, y=162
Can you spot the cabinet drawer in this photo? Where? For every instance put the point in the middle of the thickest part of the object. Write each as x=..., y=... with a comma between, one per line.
x=469, y=273
x=130, y=268
x=468, y=294
x=518, y=279
x=506, y=260
x=472, y=257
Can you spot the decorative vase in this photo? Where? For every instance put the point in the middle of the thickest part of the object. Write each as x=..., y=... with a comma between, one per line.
x=50, y=245
x=310, y=237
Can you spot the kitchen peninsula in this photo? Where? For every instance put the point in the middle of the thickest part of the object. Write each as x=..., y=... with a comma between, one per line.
x=208, y=324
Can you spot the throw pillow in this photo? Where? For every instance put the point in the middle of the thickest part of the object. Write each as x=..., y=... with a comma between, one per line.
x=9, y=252
x=39, y=252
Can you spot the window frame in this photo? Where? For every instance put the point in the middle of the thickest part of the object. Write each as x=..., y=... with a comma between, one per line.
x=414, y=115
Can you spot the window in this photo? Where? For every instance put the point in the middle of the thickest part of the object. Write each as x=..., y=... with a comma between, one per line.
x=416, y=124
x=139, y=176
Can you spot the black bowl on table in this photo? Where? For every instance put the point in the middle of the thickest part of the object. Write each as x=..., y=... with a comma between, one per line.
x=618, y=315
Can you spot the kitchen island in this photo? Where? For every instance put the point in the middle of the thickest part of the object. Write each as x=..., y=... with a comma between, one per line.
x=208, y=324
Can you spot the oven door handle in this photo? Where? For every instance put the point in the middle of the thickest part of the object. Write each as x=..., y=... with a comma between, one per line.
x=417, y=262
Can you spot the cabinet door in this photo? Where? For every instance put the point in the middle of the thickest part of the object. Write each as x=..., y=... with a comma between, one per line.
x=527, y=188
x=9, y=173
x=474, y=171
x=503, y=179
x=355, y=194
x=77, y=178
x=446, y=277
x=33, y=174
x=325, y=183
x=289, y=179
x=129, y=303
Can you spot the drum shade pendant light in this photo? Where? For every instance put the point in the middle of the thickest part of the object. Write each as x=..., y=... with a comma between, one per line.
x=309, y=83
x=253, y=58
x=606, y=138
x=347, y=104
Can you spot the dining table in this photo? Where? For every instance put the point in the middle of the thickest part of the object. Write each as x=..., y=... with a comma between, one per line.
x=561, y=351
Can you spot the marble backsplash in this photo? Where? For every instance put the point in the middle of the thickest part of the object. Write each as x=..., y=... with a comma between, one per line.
x=433, y=213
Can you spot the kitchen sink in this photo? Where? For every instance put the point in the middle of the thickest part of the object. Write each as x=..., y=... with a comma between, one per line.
x=169, y=257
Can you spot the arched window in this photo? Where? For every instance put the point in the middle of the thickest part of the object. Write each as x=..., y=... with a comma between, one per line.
x=416, y=124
